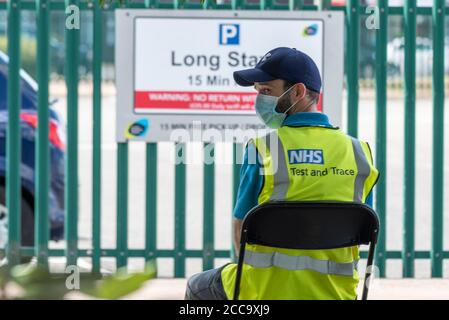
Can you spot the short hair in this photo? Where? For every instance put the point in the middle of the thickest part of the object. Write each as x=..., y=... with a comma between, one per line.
x=312, y=95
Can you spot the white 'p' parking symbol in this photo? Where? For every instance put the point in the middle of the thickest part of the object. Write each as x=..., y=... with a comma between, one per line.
x=229, y=34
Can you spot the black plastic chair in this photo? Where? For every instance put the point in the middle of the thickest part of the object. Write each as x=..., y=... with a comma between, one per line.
x=309, y=225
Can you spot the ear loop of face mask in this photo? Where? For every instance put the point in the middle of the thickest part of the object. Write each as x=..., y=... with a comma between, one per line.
x=307, y=106
x=285, y=112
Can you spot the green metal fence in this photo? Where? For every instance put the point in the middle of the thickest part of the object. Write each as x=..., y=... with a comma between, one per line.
x=353, y=13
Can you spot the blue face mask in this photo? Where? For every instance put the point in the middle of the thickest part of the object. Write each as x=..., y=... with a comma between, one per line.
x=266, y=110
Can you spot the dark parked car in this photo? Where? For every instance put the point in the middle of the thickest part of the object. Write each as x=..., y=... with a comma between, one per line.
x=28, y=124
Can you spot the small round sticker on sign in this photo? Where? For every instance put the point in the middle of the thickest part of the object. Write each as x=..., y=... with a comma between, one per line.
x=310, y=30
x=137, y=129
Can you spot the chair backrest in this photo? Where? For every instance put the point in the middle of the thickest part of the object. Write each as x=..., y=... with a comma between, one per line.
x=311, y=225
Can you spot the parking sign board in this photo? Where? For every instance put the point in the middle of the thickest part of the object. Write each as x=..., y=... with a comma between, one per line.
x=174, y=69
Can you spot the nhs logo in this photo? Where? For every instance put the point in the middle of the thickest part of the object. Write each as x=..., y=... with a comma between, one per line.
x=314, y=156
x=229, y=34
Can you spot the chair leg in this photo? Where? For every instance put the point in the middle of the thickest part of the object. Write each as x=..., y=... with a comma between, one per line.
x=368, y=272
x=240, y=266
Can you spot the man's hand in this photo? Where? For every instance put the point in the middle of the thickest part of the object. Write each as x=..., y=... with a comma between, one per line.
x=237, y=232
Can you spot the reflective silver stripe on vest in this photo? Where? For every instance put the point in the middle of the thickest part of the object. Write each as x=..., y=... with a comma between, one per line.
x=284, y=261
x=363, y=170
x=280, y=178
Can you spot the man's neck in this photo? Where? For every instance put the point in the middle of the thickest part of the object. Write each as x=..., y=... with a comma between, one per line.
x=312, y=108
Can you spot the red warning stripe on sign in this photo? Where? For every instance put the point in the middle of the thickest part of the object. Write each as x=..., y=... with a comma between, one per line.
x=188, y=100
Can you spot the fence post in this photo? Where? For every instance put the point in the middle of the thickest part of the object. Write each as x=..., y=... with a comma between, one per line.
x=122, y=204
x=42, y=145
x=180, y=209
x=352, y=66
x=13, y=140
x=299, y=4
x=71, y=168
x=96, y=152
x=237, y=149
x=151, y=191
x=325, y=4
x=208, y=206
x=408, y=252
x=381, y=130
x=438, y=138
x=151, y=202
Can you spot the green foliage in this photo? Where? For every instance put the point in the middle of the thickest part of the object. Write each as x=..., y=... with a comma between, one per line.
x=121, y=284
x=37, y=283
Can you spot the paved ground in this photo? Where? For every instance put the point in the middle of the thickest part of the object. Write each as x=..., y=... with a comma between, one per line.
x=380, y=290
x=223, y=186
x=173, y=289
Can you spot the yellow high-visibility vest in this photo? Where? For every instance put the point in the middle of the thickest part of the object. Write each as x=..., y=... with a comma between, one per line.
x=308, y=163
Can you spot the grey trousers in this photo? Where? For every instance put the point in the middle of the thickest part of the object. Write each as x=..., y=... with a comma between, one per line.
x=206, y=285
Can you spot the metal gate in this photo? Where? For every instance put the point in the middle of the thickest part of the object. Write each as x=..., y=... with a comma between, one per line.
x=355, y=13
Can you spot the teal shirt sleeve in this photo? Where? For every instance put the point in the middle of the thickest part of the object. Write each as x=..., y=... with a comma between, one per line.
x=369, y=199
x=251, y=182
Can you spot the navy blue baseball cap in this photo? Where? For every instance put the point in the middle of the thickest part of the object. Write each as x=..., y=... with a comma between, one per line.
x=282, y=63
